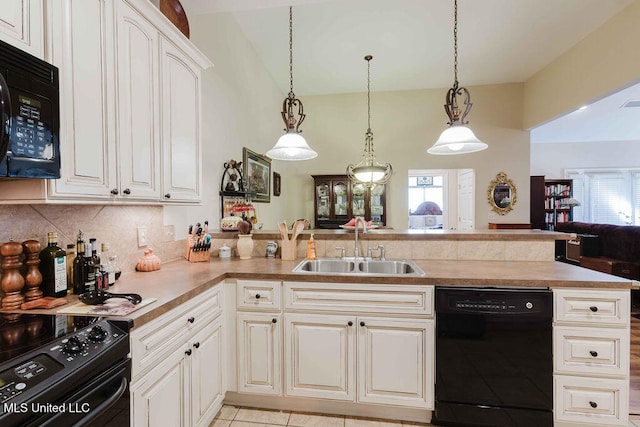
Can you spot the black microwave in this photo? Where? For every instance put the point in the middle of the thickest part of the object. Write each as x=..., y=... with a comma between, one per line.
x=30, y=116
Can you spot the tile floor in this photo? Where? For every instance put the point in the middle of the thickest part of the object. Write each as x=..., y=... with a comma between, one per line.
x=231, y=416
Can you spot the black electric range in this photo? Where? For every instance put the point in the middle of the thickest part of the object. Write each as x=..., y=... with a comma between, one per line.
x=64, y=370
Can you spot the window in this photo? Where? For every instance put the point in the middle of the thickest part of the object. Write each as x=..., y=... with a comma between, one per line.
x=609, y=196
x=426, y=199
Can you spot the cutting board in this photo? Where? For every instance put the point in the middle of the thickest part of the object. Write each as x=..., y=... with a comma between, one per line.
x=112, y=307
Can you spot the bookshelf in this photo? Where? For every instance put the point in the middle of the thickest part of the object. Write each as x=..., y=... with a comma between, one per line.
x=546, y=202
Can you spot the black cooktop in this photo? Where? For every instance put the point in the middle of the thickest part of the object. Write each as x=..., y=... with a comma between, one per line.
x=21, y=333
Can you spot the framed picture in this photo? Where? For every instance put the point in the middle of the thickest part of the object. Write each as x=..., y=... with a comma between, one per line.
x=276, y=184
x=257, y=174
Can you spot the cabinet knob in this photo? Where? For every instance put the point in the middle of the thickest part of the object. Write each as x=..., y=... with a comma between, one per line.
x=114, y=191
x=362, y=324
x=593, y=353
x=593, y=404
x=274, y=320
x=188, y=352
x=191, y=319
x=593, y=308
x=349, y=323
x=257, y=296
x=196, y=345
x=126, y=191
x=167, y=196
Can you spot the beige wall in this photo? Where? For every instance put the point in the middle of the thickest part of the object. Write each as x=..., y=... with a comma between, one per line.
x=602, y=63
x=240, y=108
x=405, y=124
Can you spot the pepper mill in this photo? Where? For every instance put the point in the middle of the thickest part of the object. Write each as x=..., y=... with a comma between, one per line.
x=33, y=277
x=12, y=281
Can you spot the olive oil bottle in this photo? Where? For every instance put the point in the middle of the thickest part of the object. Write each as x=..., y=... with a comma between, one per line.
x=53, y=267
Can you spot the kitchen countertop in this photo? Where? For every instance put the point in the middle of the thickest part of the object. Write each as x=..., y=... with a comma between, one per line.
x=179, y=281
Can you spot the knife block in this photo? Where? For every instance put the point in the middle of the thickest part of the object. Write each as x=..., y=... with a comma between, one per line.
x=196, y=256
x=288, y=250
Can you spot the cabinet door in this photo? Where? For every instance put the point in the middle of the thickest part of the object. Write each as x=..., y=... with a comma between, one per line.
x=207, y=373
x=395, y=362
x=22, y=24
x=138, y=105
x=259, y=353
x=320, y=356
x=181, y=145
x=81, y=33
x=160, y=398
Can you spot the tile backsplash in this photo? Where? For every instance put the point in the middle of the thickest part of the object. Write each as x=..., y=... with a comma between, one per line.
x=116, y=225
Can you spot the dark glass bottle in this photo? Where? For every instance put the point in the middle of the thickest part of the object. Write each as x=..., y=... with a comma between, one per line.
x=78, y=272
x=94, y=251
x=53, y=267
x=88, y=271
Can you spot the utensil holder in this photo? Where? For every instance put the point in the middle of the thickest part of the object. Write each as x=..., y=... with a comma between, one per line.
x=196, y=256
x=288, y=250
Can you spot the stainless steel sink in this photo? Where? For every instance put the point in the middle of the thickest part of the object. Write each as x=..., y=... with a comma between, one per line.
x=365, y=267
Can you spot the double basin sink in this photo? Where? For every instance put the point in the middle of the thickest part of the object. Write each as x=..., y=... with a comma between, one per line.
x=360, y=266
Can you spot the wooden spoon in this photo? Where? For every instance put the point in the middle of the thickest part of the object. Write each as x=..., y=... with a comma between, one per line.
x=297, y=228
x=282, y=225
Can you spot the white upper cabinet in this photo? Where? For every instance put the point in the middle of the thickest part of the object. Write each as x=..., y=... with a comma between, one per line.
x=83, y=51
x=181, y=144
x=130, y=102
x=22, y=24
x=138, y=104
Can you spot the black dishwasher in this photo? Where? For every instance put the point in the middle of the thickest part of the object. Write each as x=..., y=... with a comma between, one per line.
x=494, y=361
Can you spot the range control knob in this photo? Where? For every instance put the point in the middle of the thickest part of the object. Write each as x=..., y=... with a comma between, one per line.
x=97, y=334
x=73, y=346
x=529, y=305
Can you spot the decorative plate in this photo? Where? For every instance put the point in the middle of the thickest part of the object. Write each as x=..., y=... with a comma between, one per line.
x=173, y=10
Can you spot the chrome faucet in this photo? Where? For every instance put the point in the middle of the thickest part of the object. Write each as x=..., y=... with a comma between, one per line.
x=356, y=251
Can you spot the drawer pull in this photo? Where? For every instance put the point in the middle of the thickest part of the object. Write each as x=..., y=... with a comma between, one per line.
x=126, y=191
x=593, y=404
x=188, y=352
x=274, y=320
x=257, y=296
x=196, y=345
x=593, y=353
x=349, y=323
x=362, y=324
x=191, y=319
x=593, y=308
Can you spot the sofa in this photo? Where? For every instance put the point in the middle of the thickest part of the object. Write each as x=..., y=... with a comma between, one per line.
x=618, y=247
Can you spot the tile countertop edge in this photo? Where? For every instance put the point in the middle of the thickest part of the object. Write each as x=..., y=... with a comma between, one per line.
x=180, y=281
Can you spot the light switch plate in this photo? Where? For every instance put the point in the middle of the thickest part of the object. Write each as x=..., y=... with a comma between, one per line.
x=169, y=233
x=142, y=236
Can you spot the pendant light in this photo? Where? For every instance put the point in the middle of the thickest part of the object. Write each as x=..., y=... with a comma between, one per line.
x=291, y=145
x=457, y=138
x=368, y=171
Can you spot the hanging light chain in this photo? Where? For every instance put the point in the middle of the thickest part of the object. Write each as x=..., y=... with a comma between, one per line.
x=291, y=95
x=455, y=42
x=368, y=58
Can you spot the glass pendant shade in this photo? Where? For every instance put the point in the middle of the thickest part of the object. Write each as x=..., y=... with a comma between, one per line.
x=291, y=146
x=368, y=171
x=457, y=139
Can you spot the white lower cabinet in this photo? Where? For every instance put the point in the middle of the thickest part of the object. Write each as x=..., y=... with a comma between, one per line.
x=178, y=378
x=260, y=353
x=591, y=357
x=388, y=361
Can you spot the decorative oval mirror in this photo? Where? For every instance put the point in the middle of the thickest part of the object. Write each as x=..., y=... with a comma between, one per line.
x=502, y=194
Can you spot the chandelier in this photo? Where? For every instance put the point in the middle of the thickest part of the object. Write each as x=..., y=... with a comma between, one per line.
x=457, y=138
x=368, y=171
x=292, y=145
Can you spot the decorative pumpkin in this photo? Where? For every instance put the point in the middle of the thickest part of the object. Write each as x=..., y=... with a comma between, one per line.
x=149, y=262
